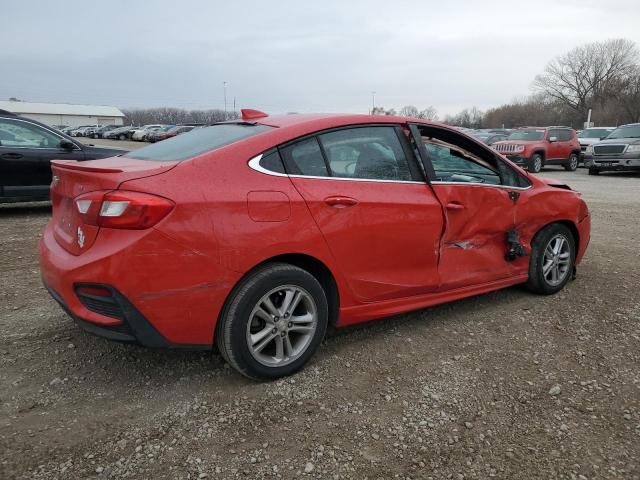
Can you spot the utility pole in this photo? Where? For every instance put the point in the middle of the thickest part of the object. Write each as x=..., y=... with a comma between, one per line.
x=373, y=102
x=224, y=86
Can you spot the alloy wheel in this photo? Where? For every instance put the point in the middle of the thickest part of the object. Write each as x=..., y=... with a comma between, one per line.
x=281, y=326
x=556, y=261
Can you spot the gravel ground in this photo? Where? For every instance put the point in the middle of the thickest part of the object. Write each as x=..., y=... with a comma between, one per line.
x=506, y=385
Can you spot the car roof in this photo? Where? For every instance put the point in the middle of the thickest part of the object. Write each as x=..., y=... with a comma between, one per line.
x=311, y=122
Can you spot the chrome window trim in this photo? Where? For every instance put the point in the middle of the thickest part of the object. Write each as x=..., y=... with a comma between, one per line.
x=39, y=126
x=254, y=163
x=507, y=187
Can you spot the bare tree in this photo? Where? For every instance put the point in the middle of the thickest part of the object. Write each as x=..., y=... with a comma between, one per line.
x=383, y=111
x=585, y=76
x=429, y=113
x=409, y=111
x=173, y=116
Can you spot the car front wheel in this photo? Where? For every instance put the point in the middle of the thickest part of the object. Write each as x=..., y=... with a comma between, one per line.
x=273, y=322
x=535, y=163
x=594, y=171
x=552, y=259
x=572, y=163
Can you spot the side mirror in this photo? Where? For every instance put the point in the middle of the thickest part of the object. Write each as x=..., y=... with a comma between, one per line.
x=553, y=139
x=67, y=144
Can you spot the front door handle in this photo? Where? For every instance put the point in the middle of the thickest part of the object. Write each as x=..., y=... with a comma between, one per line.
x=12, y=156
x=455, y=206
x=340, y=202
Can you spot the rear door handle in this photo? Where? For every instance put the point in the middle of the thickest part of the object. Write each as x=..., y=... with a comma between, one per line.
x=455, y=206
x=12, y=156
x=340, y=202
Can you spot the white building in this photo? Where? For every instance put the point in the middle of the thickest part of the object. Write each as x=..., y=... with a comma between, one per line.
x=65, y=114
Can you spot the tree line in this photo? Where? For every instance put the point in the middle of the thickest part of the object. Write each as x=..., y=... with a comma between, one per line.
x=176, y=116
x=601, y=76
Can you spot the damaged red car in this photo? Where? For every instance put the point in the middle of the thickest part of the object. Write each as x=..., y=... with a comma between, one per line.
x=255, y=235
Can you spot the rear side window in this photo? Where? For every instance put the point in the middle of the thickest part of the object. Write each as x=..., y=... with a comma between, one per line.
x=373, y=153
x=305, y=158
x=197, y=142
x=271, y=161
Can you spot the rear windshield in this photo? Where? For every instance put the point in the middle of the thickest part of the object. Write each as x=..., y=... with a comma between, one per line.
x=197, y=142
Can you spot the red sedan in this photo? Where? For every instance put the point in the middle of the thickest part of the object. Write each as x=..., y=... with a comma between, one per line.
x=256, y=234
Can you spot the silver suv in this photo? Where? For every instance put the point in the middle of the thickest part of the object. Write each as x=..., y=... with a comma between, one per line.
x=620, y=151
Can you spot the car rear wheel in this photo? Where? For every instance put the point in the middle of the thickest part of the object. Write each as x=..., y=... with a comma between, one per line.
x=273, y=322
x=572, y=163
x=535, y=163
x=594, y=171
x=552, y=259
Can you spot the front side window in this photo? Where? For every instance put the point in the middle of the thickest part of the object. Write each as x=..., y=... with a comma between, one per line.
x=452, y=164
x=15, y=133
x=564, y=135
x=370, y=153
x=198, y=141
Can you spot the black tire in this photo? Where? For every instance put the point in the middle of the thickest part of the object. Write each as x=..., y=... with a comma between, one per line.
x=594, y=171
x=231, y=331
x=122, y=137
x=572, y=163
x=535, y=163
x=537, y=281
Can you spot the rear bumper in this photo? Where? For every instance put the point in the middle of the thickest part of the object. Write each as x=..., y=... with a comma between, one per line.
x=133, y=329
x=165, y=294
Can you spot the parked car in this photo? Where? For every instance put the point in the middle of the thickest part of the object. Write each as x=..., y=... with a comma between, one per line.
x=82, y=131
x=620, y=151
x=26, y=150
x=169, y=132
x=291, y=223
x=592, y=135
x=121, y=133
x=139, y=133
x=536, y=147
x=100, y=131
x=489, y=138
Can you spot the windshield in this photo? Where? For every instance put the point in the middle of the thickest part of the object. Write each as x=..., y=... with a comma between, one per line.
x=527, y=135
x=630, y=131
x=594, y=133
x=197, y=142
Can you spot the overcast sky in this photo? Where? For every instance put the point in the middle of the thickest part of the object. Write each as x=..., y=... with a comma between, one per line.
x=283, y=56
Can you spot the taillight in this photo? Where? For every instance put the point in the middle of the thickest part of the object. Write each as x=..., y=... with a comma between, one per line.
x=122, y=209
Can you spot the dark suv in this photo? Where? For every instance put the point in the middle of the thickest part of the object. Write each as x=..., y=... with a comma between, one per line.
x=26, y=150
x=535, y=147
x=620, y=151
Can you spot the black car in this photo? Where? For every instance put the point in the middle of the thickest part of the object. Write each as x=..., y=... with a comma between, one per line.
x=26, y=150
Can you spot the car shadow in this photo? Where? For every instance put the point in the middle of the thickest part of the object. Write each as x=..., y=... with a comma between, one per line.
x=174, y=367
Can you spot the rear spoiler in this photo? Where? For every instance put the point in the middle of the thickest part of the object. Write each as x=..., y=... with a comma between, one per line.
x=75, y=165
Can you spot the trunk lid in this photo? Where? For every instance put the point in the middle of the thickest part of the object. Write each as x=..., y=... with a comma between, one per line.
x=72, y=179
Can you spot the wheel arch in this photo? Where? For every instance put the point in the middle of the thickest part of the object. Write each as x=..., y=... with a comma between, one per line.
x=570, y=225
x=540, y=152
x=311, y=264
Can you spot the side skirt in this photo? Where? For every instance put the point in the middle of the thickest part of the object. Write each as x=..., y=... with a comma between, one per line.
x=370, y=311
